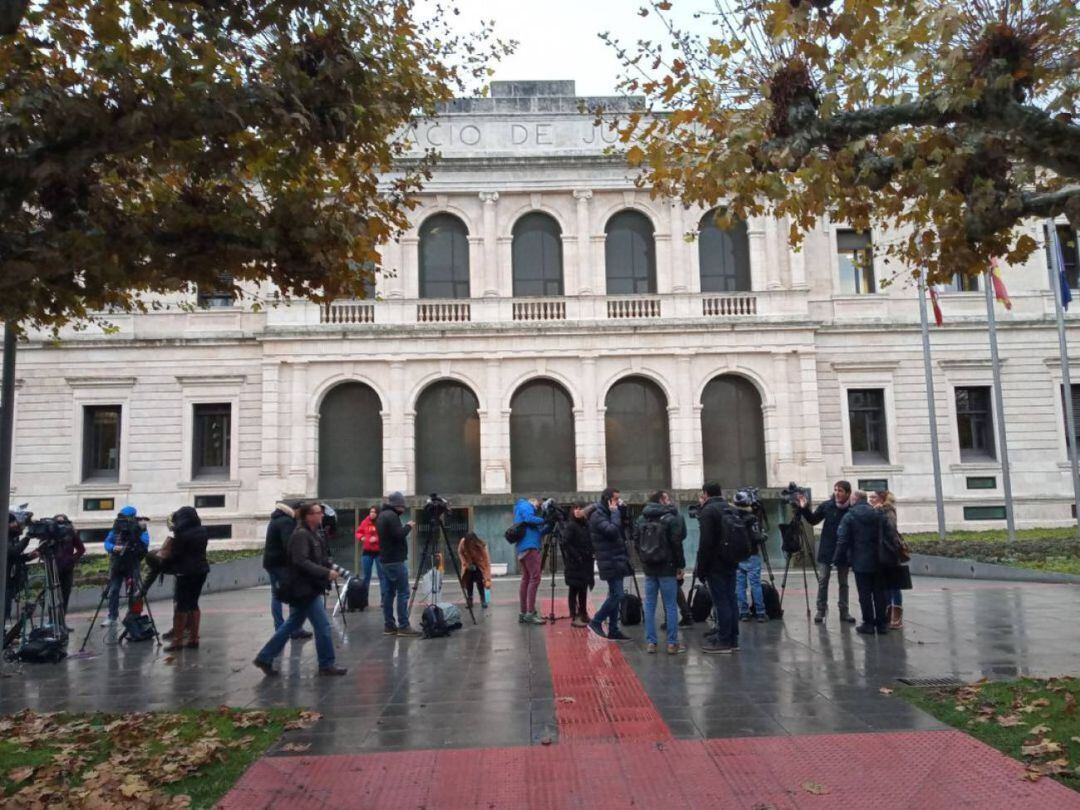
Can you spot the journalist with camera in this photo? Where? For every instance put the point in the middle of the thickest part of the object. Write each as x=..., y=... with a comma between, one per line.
x=16, y=561
x=393, y=565
x=58, y=540
x=306, y=579
x=527, y=550
x=829, y=512
x=126, y=544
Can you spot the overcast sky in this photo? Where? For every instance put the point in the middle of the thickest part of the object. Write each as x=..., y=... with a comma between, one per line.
x=558, y=38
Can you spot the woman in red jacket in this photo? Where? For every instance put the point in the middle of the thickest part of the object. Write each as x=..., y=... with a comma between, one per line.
x=368, y=538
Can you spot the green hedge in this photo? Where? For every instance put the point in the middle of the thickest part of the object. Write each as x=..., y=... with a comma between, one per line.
x=1056, y=549
x=94, y=571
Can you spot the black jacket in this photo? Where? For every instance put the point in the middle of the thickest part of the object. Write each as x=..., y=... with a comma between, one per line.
x=710, y=526
x=612, y=559
x=858, y=538
x=278, y=531
x=675, y=533
x=393, y=537
x=189, y=544
x=832, y=514
x=577, y=554
x=309, y=564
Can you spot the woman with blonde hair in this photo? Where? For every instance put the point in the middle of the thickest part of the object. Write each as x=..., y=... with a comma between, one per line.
x=897, y=578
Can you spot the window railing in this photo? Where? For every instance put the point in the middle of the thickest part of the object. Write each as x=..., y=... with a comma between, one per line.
x=443, y=312
x=540, y=309
x=637, y=307
x=727, y=306
x=349, y=312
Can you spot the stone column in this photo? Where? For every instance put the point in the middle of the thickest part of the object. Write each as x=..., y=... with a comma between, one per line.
x=494, y=434
x=271, y=391
x=490, y=266
x=392, y=274
x=680, y=259
x=664, y=270
x=688, y=475
x=407, y=284
x=592, y=426
x=396, y=463
x=772, y=254
x=755, y=233
x=585, y=272
x=297, y=421
x=782, y=416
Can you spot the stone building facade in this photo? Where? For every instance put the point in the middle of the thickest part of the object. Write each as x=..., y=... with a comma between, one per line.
x=545, y=325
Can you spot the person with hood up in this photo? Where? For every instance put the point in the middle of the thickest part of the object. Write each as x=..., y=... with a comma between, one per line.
x=124, y=561
x=612, y=561
x=528, y=555
x=187, y=560
x=578, y=563
x=276, y=559
x=660, y=575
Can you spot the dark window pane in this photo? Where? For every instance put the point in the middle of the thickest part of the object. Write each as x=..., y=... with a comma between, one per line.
x=975, y=423
x=350, y=443
x=447, y=440
x=733, y=433
x=964, y=283
x=724, y=256
x=1076, y=413
x=636, y=430
x=1070, y=249
x=856, y=257
x=542, y=457
x=444, y=258
x=866, y=415
x=219, y=295
x=630, y=254
x=212, y=435
x=101, y=442
x=537, y=256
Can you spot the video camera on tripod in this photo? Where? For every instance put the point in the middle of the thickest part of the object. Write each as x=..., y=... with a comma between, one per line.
x=552, y=512
x=436, y=507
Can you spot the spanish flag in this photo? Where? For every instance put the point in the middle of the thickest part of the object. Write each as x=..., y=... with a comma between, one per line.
x=1000, y=293
x=938, y=318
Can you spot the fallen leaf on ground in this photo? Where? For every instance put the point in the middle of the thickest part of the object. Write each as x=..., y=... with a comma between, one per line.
x=1040, y=749
x=567, y=700
x=815, y=789
x=1070, y=703
x=885, y=690
x=1010, y=721
x=1052, y=768
x=296, y=746
x=1039, y=730
x=20, y=775
x=1032, y=776
x=546, y=740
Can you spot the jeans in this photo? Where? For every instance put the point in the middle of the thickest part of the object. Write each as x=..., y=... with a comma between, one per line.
x=394, y=582
x=118, y=574
x=314, y=612
x=750, y=569
x=367, y=563
x=824, y=572
x=725, y=605
x=896, y=597
x=530, y=580
x=610, y=609
x=274, y=575
x=666, y=587
x=872, y=600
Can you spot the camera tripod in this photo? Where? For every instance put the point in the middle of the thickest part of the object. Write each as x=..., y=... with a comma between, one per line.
x=799, y=538
x=137, y=589
x=437, y=531
x=48, y=605
x=552, y=547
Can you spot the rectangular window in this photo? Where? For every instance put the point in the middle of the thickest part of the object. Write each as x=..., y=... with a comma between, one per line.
x=1076, y=413
x=961, y=282
x=219, y=532
x=219, y=295
x=873, y=484
x=89, y=536
x=212, y=436
x=209, y=501
x=1070, y=249
x=981, y=482
x=101, y=443
x=984, y=513
x=975, y=423
x=98, y=504
x=856, y=263
x=866, y=417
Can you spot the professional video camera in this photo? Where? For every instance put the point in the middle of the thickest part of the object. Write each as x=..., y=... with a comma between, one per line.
x=791, y=494
x=329, y=521
x=552, y=512
x=436, y=507
x=49, y=532
x=128, y=531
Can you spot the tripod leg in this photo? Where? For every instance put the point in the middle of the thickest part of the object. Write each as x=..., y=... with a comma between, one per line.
x=93, y=621
x=783, y=582
x=419, y=573
x=338, y=608
x=554, y=569
x=457, y=571
x=806, y=586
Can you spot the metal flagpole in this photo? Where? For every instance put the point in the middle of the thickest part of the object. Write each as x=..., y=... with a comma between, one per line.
x=7, y=434
x=999, y=402
x=1055, y=271
x=931, y=408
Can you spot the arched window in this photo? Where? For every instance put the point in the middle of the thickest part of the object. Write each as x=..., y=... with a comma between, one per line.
x=733, y=433
x=724, y=256
x=636, y=429
x=542, y=457
x=537, y=256
x=350, y=443
x=447, y=440
x=630, y=254
x=444, y=257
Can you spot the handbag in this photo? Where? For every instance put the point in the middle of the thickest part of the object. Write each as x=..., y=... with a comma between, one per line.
x=905, y=549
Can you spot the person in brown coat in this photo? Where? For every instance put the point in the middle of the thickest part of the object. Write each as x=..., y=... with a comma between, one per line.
x=475, y=567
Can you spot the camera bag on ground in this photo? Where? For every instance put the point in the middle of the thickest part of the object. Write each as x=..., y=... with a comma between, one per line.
x=42, y=647
x=515, y=534
x=700, y=602
x=772, y=601
x=630, y=612
x=736, y=535
x=138, y=627
x=433, y=622
x=356, y=598
x=652, y=544
x=451, y=615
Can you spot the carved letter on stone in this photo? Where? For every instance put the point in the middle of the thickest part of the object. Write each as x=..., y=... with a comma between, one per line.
x=469, y=135
x=518, y=134
x=543, y=135
x=429, y=135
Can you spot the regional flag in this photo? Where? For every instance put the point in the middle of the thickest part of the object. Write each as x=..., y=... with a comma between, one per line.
x=1000, y=293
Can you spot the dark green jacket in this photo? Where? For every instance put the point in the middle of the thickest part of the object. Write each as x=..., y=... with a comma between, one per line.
x=675, y=527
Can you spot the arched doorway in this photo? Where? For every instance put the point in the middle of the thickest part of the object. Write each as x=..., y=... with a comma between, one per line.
x=350, y=442
x=733, y=433
x=636, y=433
x=447, y=440
x=542, y=456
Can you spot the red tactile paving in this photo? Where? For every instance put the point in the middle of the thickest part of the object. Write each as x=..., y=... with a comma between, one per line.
x=926, y=769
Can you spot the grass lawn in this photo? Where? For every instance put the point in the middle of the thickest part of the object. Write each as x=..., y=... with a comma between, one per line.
x=163, y=759
x=1033, y=720
x=94, y=571
x=1055, y=549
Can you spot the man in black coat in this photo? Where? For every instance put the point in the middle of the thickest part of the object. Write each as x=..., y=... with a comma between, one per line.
x=831, y=512
x=718, y=573
x=857, y=544
x=612, y=561
x=578, y=563
x=392, y=567
x=276, y=558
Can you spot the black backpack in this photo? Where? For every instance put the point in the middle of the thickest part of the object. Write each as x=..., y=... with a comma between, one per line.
x=515, y=534
x=772, y=602
x=42, y=647
x=356, y=598
x=630, y=612
x=138, y=627
x=652, y=542
x=736, y=535
x=433, y=622
x=700, y=602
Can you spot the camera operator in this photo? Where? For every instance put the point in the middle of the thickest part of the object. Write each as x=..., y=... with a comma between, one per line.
x=69, y=550
x=16, y=562
x=831, y=512
x=612, y=559
x=187, y=560
x=309, y=576
x=527, y=550
x=578, y=563
x=126, y=544
x=717, y=572
x=393, y=568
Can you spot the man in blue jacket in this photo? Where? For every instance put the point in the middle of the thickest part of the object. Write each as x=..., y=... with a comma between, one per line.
x=126, y=544
x=528, y=555
x=857, y=544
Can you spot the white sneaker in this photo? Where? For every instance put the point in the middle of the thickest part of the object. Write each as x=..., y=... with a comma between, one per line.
x=108, y=622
